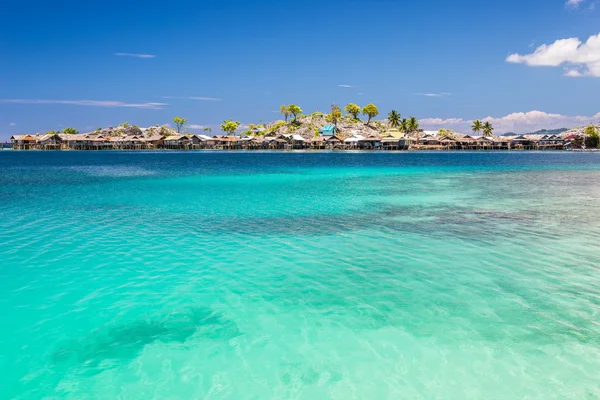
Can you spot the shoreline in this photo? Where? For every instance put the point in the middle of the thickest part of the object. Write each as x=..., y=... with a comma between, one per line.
x=301, y=151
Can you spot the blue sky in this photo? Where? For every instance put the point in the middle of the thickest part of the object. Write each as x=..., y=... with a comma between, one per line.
x=72, y=63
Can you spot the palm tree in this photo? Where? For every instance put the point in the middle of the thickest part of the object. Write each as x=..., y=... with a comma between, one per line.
x=413, y=124
x=404, y=125
x=394, y=119
x=488, y=129
x=477, y=126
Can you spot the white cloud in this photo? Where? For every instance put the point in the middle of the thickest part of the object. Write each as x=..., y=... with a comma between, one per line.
x=206, y=98
x=441, y=121
x=92, y=103
x=346, y=86
x=201, y=127
x=580, y=59
x=573, y=73
x=12, y=124
x=443, y=94
x=520, y=122
x=573, y=3
x=135, y=55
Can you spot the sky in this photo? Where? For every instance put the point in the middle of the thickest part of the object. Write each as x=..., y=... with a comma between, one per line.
x=523, y=65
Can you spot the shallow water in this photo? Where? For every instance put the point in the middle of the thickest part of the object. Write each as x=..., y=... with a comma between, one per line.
x=299, y=275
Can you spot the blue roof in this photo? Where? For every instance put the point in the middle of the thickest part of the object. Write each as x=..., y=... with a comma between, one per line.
x=328, y=130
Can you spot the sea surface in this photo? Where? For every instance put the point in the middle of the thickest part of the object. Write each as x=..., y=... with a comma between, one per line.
x=216, y=275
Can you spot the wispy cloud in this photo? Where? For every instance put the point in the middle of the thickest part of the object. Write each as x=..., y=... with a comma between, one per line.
x=194, y=98
x=579, y=59
x=206, y=98
x=90, y=103
x=12, y=124
x=135, y=55
x=443, y=94
x=347, y=86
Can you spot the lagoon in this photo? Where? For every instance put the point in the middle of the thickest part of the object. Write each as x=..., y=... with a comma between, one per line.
x=257, y=275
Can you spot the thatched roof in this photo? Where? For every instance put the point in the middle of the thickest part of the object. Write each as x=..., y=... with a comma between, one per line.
x=22, y=137
x=175, y=137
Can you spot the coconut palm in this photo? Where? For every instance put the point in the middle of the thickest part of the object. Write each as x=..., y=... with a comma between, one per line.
x=413, y=124
x=488, y=129
x=394, y=119
x=404, y=125
x=477, y=126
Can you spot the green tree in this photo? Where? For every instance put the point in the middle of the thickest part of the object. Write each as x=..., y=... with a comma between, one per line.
x=447, y=134
x=488, y=129
x=371, y=111
x=284, y=111
x=336, y=113
x=70, y=131
x=353, y=110
x=125, y=124
x=229, y=127
x=294, y=110
x=591, y=137
x=413, y=124
x=207, y=130
x=404, y=125
x=394, y=119
x=179, y=122
x=477, y=126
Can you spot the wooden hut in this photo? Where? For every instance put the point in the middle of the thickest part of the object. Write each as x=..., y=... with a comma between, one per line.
x=352, y=141
x=195, y=141
x=500, y=142
x=573, y=142
x=448, y=143
x=318, y=142
x=465, y=142
x=483, y=143
x=75, y=142
x=371, y=142
x=176, y=142
x=295, y=141
x=51, y=141
x=394, y=139
x=551, y=142
x=154, y=141
x=524, y=142
x=23, y=142
x=204, y=141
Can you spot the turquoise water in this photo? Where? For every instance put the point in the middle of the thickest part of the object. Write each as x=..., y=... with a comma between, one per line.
x=211, y=275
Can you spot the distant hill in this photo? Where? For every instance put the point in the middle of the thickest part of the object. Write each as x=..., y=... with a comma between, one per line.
x=540, y=132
